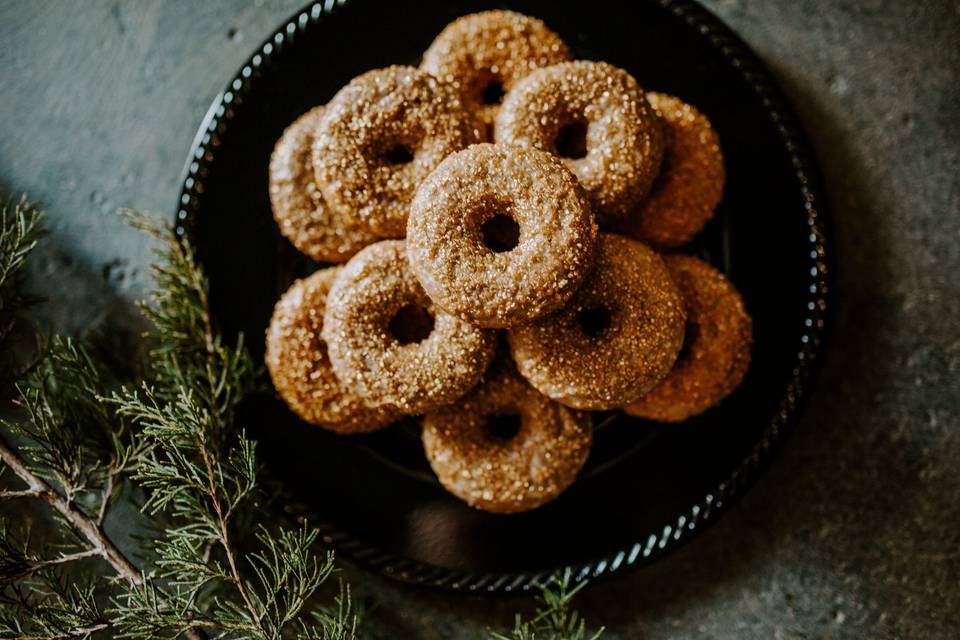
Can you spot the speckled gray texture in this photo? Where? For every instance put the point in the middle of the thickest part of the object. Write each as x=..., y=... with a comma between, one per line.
x=855, y=530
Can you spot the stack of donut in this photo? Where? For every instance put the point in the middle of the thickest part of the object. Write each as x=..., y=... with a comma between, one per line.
x=501, y=214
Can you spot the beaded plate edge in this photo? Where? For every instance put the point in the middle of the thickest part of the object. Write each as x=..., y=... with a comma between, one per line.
x=707, y=510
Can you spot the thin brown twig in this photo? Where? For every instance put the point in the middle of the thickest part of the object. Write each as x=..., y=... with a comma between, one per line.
x=63, y=558
x=69, y=557
x=225, y=536
x=84, y=632
x=105, y=498
x=13, y=495
x=208, y=463
x=87, y=527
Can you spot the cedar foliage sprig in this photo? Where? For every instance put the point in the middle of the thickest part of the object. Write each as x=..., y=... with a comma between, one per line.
x=73, y=453
x=174, y=438
x=554, y=619
x=20, y=229
x=200, y=471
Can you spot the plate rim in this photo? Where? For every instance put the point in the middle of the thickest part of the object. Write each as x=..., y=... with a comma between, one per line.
x=712, y=505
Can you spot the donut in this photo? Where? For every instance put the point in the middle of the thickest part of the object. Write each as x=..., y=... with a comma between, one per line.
x=690, y=185
x=616, y=338
x=485, y=54
x=298, y=206
x=500, y=235
x=296, y=358
x=716, y=350
x=380, y=137
x=597, y=118
x=388, y=342
x=505, y=447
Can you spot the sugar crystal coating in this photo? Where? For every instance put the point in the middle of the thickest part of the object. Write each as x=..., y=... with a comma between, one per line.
x=298, y=206
x=485, y=54
x=716, y=352
x=506, y=474
x=622, y=141
x=501, y=236
x=615, y=340
x=296, y=358
x=690, y=185
x=380, y=137
x=367, y=355
x=462, y=274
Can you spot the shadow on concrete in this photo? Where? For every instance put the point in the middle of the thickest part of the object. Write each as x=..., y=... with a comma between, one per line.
x=75, y=299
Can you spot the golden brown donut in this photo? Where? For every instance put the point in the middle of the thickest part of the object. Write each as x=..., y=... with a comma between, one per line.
x=485, y=54
x=387, y=341
x=505, y=447
x=380, y=137
x=690, y=185
x=296, y=358
x=616, y=338
x=459, y=244
x=298, y=206
x=716, y=350
x=598, y=119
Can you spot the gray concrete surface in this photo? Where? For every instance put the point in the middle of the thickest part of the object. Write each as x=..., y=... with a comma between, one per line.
x=853, y=533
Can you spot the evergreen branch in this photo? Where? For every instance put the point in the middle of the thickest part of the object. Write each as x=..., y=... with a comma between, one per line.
x=63, y=611
x=288, y=574
x=554, y=619
x=17, y=565
x=71, y=455
x=198, y=471
x=20, y=229
x=223, y=532
x=15, y=557
x=86, y=526
x=13, y=495
x=201, y=471
x=339, y=622
x=86, y=447
x=150, y=612
x=73, y=438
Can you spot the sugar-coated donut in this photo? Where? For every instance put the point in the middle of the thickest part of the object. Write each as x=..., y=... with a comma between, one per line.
x=690, y=184
x=485, y=54
x=505, y=447
x=298, y=206
x=500, y=235
x=616, y=338
x=598, y=119
x=296, y=358
x=387, y=341
x=716, y=352
x=380, y=137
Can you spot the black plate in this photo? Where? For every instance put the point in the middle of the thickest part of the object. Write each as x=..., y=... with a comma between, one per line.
x=646, y=488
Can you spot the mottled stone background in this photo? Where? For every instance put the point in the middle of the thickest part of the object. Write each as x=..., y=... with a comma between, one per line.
x=855, y=530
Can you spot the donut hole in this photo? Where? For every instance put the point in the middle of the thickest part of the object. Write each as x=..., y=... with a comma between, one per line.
x=504, y=426
x=501, y=233
x=571, y=141
x=492, y=92
x=690, y=334
x=411, y=324
x=399, y=154
x=595, y=320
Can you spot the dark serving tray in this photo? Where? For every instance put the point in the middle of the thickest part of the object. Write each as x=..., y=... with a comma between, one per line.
x=646, y=487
